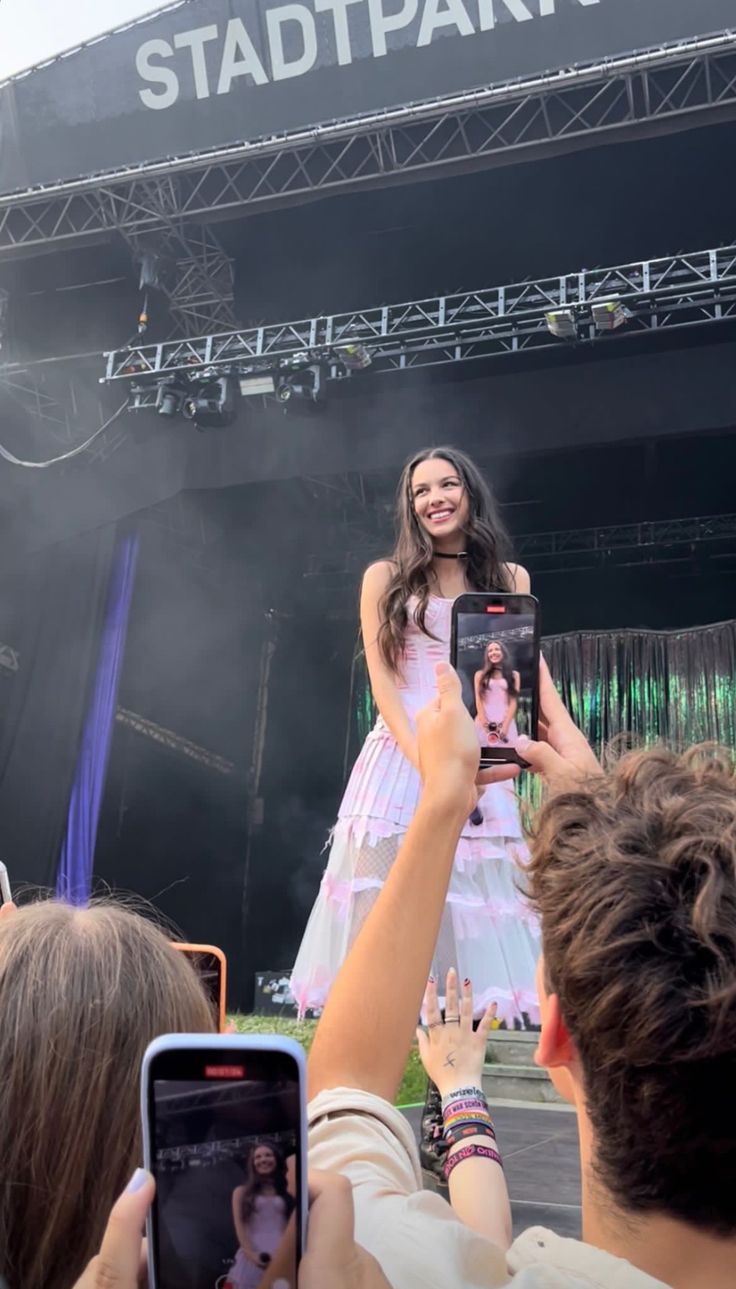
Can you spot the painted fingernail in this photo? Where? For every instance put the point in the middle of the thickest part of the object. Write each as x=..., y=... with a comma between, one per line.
x=139, y=1178
x=431, y=980
x=466, y=982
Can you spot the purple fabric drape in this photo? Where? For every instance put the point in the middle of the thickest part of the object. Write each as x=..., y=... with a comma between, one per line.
x=74, y=880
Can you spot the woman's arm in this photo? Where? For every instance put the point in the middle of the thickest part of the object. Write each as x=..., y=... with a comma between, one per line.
x=479, y=713
x=365, y=1031
x=453, y=1056
x=383, y=681
x=513, y=706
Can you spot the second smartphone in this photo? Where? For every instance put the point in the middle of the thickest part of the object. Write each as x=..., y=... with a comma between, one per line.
x=495, y=651
x=224, y=1134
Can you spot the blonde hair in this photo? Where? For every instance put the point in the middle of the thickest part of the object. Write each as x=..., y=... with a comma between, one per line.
x=82, y=993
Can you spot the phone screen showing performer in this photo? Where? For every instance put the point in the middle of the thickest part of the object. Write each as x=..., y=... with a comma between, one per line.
x=495, y=650
x=224, y=1132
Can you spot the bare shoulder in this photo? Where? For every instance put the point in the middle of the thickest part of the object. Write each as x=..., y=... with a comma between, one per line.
x=520, y=580
x=377, y=576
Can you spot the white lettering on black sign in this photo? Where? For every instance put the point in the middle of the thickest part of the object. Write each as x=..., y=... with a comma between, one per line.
x=216, y=58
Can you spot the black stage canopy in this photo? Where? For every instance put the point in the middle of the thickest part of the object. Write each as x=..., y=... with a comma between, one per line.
x=204, y=74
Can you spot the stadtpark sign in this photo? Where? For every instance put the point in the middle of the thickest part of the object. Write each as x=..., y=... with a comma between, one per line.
x=209, y=73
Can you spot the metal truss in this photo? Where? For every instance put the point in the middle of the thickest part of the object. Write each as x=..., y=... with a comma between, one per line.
x=653, y=542
x=27, y=387
x=175, y=742
x=648, y=90
x=200, y=290
x=676, y=291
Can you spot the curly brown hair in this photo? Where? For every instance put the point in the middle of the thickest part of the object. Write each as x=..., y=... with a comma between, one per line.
x=634, y=878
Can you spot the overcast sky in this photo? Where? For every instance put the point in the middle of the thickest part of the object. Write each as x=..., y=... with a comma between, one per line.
x=34, y=30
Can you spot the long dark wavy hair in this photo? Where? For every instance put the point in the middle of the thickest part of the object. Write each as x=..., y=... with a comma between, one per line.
x=505, y=668
x=254, y=1184
x=486, y=543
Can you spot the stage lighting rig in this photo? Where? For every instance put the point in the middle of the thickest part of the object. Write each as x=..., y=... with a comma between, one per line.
x=563, y=323
x=574, y=322
x=306, y=384
x=257, y=384
x=353, y=356
x=169, y=399
x=609, y=315
x=211, y=404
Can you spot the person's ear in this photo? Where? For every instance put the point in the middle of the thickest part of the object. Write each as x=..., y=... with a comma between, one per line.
x=555, y=1047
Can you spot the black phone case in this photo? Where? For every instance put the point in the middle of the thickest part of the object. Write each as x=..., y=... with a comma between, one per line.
x=477, y=602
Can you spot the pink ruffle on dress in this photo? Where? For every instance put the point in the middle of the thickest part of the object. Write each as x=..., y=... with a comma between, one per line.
x=488, y=933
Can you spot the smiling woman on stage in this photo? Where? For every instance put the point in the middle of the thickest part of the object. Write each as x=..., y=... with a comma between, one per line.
x=497, y=688
x=449, y=541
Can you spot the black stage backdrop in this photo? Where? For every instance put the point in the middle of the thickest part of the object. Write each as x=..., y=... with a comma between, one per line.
x=205, y=73
x=52, y=607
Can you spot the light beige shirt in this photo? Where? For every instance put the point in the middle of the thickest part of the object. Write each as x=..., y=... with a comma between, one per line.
x=414, y=1233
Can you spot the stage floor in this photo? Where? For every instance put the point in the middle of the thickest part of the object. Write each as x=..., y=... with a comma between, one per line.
x=540, y=1151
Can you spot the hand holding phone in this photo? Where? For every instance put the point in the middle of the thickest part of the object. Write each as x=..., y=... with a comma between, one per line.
x=495, y=651
x=224, y=1131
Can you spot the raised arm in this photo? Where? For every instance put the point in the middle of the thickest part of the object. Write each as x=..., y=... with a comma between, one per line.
x=480, y=716
x=369, y=1021
x=513, y=706
x=383, y=680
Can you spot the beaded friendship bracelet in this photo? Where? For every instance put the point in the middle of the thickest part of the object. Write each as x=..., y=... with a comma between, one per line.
x=470, y=1152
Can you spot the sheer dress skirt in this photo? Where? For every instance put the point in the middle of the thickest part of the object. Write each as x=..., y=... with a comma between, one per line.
x=488, y=933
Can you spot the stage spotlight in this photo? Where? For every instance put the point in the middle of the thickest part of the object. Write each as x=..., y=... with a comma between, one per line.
x=307, y=385
x=609, y=315
x=562, y=323
x=355, y=357
x=261, y=383
x=212, y=406
x=169, y=399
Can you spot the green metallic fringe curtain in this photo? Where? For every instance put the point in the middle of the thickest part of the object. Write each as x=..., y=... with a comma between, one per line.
x=677, y=687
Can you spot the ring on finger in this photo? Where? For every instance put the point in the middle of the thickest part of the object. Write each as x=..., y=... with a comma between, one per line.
x=452, y=1020
x=435, y=1024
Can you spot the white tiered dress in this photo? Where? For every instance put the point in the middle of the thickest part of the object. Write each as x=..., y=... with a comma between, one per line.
x=488, y=933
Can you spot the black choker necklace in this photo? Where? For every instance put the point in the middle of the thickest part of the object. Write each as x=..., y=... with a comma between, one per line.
x=445, y=555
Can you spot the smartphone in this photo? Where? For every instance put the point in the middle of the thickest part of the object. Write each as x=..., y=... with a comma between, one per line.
x=495, y=651
x=224, y=1134
x=5, y=891
x=211, y=964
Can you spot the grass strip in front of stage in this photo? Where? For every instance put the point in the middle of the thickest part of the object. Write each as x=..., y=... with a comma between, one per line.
x=413, y=1084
